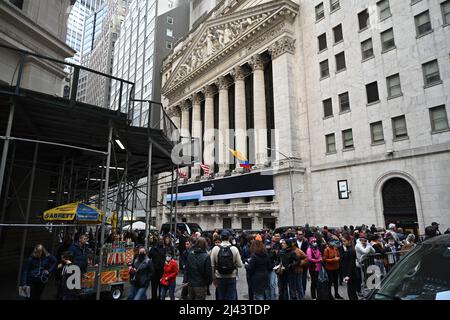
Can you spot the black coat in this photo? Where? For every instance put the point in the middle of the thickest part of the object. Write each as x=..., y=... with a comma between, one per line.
x=158, y=256
x=349, y=263
x=288, y=259
x=198, y=269
x=258, y=270
x=142, y=277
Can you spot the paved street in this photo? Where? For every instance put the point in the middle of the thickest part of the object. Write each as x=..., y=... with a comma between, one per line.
x=241, y=288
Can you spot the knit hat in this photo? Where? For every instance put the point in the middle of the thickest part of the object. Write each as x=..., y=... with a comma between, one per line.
x=258, y=238
x=312, y=239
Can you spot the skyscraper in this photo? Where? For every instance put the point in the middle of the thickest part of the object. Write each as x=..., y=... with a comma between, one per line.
x=101, y=32
x=75, y=26
x=149, y=32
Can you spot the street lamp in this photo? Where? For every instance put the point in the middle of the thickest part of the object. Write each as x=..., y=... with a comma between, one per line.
x=290, y=182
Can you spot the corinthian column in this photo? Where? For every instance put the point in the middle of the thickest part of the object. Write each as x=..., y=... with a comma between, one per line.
x=259, y=103
x=208, y=135
x=224, y=124
x=240, y=113
x=185, y=132
x=197, y=129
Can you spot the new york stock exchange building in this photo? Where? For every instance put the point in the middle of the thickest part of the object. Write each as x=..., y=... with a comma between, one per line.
x=311, y=112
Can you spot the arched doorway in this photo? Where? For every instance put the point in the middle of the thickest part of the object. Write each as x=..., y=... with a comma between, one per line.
x=399, y=205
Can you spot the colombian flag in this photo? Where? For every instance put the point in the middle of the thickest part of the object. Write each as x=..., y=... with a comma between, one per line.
x=241, y=158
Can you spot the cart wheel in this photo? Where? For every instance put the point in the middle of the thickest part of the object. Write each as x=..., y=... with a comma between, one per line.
x=116, y=292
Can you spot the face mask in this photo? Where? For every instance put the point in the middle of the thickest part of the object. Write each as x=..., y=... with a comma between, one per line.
x=168, y=259
x=314, y=244
x=142, y=254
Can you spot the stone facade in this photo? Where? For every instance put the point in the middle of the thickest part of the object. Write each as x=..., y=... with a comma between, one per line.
x=240, y=33
x=40, y=28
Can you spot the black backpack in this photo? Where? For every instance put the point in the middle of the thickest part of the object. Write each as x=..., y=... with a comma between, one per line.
x=225, y=261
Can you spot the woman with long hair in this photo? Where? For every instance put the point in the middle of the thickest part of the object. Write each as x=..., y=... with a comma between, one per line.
x=37, y=270
x=258, y=268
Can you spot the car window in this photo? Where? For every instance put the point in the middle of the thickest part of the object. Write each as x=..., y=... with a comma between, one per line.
x=194, y=227
x=422, y=275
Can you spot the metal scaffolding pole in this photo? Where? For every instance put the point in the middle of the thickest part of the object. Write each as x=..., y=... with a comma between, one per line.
x=27, y=217
x=8, y=185
x=6, y=145
x=171, y=198
x=148, y=205
x=176, y=200
x=105, y=204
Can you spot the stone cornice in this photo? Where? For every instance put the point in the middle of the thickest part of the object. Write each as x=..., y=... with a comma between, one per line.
x=255, y=20
x=17, y=20
x=282, y=46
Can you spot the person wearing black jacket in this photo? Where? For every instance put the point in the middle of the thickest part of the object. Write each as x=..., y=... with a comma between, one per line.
x=303, y=244
x=349, y=267
x=259, y=267
x=141, y=271
x=198, y=271
x=158, y=256
x=288, y=260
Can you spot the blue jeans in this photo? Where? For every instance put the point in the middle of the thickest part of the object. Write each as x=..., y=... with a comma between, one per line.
x=292, y=282
x=227, y=289
x=299, y=286
x=273, y=286
x=164, y=289
x=137, y=293
x=260, y=296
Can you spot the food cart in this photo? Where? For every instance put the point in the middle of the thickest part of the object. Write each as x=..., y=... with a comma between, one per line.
x=116, y=256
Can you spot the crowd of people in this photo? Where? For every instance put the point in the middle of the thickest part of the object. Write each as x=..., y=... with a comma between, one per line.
x=277, y=265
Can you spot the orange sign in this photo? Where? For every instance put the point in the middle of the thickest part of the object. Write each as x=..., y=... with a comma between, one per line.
x=109, y=277
x=88, y=280
x=124, y=275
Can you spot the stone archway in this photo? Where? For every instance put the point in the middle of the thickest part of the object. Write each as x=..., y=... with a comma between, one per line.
x=397, y=199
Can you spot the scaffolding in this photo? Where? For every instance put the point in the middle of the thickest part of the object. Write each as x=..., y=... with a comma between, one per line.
x=57, y=150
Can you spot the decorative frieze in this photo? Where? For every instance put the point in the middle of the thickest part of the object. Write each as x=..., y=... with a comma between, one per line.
x=221, y=37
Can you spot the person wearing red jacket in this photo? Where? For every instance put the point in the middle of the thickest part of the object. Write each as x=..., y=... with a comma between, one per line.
x=168, y=280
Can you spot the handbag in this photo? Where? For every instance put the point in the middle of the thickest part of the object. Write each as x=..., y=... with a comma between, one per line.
x=24, y=291
x=164, y=282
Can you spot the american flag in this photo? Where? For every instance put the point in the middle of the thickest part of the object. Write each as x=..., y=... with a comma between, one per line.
x=182, y=174
x=205, y=168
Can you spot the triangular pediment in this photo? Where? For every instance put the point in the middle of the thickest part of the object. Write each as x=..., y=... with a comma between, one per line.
x=221, y=35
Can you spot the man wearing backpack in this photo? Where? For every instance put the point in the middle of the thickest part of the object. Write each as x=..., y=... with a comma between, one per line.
x=225, y=259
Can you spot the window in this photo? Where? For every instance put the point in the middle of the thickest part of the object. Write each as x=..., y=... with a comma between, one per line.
x=439, y=120
x=334, y=5
x=347, y=139
x=399, y=127
x=363, y=18
x=367, y=49
x=344, y=102
x=169, y=33
x=227, y=223
x=327, y=108
x=169, y=45
x=324, y=69
x=431, y=73
x=445, y=6
x=387, y=39
x=340, y=62
x=246, y=223
x=331, y=143
x=320, y=12
x=384, y=9
x=169, y=20
x=322, y=42
x=170, y=3
x=338, y=34
x=393, y=86
x=376, y=131
x=372, y=92
x=423, y=23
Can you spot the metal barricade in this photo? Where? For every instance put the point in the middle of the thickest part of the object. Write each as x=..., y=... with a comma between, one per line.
x=375, y=266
